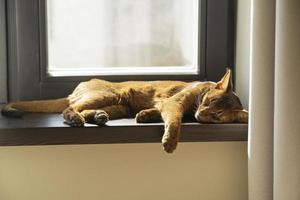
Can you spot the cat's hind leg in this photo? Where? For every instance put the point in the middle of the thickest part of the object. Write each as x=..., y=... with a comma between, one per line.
x=101, y=116
x=148, y=116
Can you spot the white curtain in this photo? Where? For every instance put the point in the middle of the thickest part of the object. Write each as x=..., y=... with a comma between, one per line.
x=274, y=125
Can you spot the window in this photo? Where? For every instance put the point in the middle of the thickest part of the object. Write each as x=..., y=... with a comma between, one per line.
x=53, y=45
x=88, y=37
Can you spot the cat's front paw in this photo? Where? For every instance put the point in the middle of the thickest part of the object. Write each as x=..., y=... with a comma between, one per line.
x=148, y=115
x=169, y=144
x=141, y=117
x=170, y=138
x=100, y=118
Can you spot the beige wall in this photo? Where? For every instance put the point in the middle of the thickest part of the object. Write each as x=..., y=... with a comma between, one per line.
x=208, y=170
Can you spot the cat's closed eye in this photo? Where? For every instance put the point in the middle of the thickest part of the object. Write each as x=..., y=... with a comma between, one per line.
x=213, y=101
x=219, y=112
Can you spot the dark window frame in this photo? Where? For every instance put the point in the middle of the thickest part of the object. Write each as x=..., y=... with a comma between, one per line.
x=27, y=53
x=3, y=57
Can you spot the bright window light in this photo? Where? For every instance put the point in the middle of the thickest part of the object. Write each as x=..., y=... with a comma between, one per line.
x=122, y=37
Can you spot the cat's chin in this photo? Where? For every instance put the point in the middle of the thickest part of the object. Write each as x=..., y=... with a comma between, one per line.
x=205, y=119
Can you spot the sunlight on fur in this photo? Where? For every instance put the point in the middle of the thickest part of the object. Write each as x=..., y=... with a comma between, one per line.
x=97, y=101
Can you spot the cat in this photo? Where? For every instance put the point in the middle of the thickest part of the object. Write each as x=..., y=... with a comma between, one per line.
x=96, y=101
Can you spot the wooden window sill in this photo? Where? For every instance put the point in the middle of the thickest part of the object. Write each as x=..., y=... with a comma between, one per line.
x=49, y=129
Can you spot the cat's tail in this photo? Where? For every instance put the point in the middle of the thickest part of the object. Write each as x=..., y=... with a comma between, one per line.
x=17, y=109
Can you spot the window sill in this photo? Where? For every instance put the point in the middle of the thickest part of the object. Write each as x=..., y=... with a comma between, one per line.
x=48, y=129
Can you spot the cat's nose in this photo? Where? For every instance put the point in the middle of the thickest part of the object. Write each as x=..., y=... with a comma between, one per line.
x=199, y=116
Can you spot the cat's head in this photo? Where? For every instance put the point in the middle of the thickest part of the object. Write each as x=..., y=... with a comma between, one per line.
x=220, y=104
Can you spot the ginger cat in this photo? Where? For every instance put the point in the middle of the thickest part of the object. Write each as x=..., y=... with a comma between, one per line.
x=97, y=101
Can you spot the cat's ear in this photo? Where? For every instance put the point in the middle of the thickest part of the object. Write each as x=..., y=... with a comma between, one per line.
x=226, y=82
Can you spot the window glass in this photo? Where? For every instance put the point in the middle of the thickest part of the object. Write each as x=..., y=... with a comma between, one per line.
x=96, y=37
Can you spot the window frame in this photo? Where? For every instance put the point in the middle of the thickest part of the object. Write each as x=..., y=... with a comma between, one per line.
x=141, y=72
x=3, y=57
x=113, y=77
x=27, y=53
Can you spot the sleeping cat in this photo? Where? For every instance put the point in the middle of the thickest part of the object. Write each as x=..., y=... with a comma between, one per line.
x=97, y=101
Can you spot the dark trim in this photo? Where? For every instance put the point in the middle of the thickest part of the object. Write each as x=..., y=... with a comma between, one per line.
x=202, y=45
x=27, y=53
x=43, y=38
x=23, y=49
x=41, y=129
x=3, y=53
x=13, y=75
x=220, y=38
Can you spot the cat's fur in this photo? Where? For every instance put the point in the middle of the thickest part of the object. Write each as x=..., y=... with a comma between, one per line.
x=97, y=101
